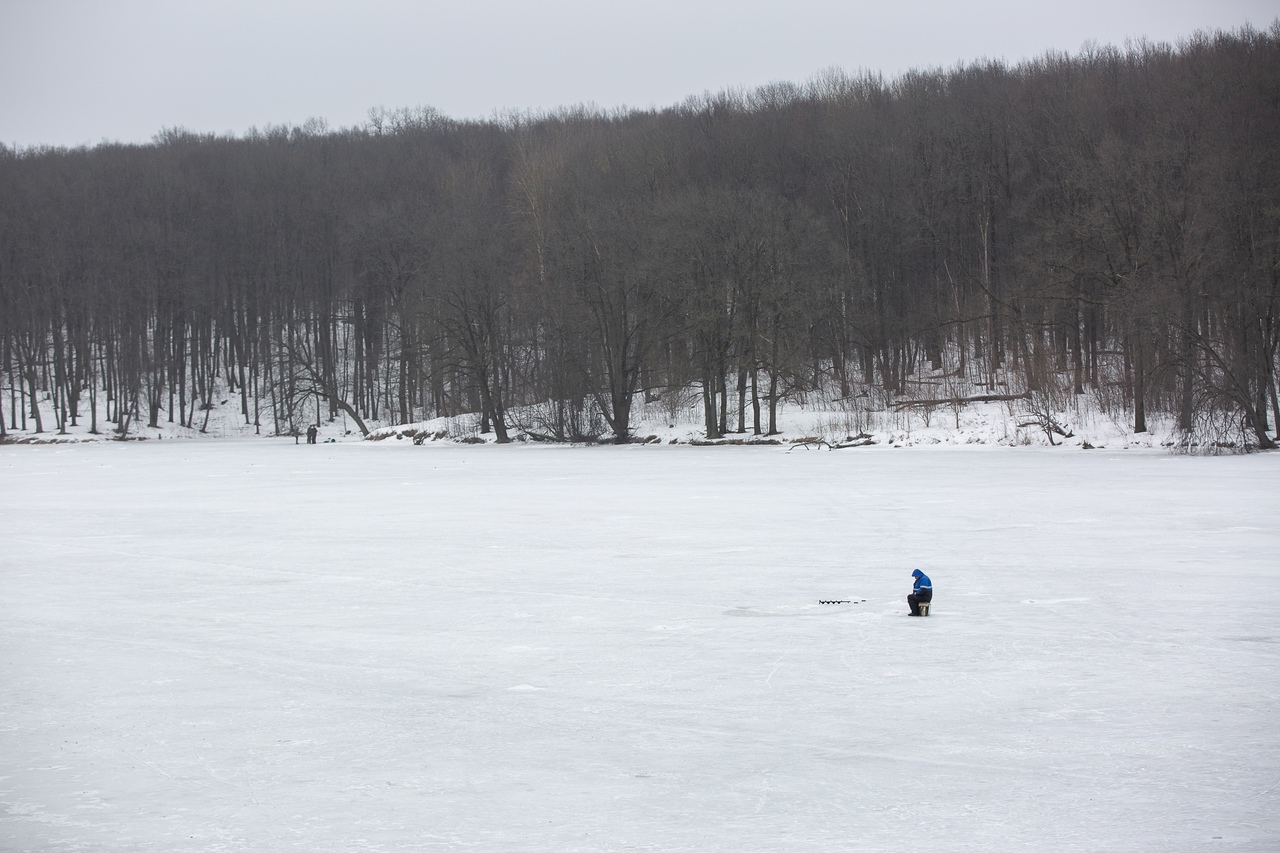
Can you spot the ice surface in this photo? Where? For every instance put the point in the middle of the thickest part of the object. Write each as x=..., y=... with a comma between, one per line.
x=262, y=646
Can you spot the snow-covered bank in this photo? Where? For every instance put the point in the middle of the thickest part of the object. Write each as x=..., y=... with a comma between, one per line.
x=819, y=419
x=843, y=424
x=815, y=422
x=247, y=645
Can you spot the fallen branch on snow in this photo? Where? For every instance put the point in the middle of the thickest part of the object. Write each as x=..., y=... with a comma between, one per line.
x=959, y=401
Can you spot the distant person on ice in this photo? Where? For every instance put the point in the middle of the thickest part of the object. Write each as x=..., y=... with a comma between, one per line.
x=921, y=593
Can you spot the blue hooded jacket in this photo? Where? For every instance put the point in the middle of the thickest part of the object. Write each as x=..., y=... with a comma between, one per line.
x=922, y=581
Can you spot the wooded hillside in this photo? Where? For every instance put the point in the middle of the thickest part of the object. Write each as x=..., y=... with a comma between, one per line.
x=1104, y=223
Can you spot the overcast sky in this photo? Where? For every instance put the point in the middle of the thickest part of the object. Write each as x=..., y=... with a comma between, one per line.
x=74, y=73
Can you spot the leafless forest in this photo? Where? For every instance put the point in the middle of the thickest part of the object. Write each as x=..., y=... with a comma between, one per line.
x=1102, y=223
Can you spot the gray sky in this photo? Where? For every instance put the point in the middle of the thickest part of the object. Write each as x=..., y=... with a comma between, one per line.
x=76, y=73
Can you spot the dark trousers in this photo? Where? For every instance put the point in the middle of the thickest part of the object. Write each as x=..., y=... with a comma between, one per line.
x=915, y=599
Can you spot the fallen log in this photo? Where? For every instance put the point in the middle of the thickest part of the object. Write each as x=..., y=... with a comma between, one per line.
x=960, y=401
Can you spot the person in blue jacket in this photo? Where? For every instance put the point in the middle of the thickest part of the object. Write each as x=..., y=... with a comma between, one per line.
x=921, y=593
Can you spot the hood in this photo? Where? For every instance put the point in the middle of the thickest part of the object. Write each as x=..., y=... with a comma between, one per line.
x=917, y=573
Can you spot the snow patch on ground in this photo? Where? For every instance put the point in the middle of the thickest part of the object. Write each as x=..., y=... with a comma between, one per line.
x=825, y=426
x=816, y=422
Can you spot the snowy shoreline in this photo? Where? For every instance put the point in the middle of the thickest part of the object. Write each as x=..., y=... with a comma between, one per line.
x=979, y=426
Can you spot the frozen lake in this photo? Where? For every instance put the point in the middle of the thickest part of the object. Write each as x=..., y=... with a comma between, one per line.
x=260, y=646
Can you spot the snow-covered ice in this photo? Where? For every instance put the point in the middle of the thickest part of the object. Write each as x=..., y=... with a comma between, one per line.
x=261, y=646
